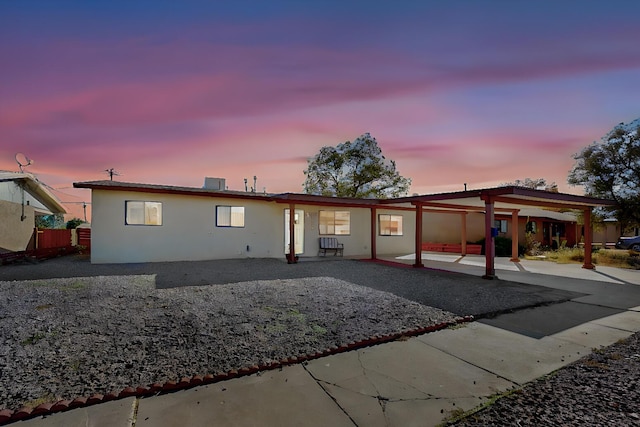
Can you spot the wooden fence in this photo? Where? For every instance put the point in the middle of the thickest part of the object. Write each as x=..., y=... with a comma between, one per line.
x=49, y=238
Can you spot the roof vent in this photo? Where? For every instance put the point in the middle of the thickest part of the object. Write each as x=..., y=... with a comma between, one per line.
x=214, y=183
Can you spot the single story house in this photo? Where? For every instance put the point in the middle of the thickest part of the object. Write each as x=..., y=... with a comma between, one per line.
x=146, y=223
x=22, y=198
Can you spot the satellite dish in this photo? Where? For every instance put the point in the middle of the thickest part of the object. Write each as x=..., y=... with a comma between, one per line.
x=23, y=161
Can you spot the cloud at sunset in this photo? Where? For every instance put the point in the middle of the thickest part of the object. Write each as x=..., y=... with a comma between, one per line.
x=168, y=94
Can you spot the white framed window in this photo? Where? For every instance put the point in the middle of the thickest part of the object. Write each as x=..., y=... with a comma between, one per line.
x=501, y=225
x=390, y=225
x=142, y=213
x=334, y=223
x=229, y=216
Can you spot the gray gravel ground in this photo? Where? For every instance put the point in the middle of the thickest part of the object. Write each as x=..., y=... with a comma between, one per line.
x=602, y=389
x=65, y=338
x=80, y=336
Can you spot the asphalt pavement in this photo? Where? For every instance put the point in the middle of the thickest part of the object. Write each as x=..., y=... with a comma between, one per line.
x=457, y=292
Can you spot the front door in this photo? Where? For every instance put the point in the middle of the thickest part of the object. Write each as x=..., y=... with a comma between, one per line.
x=298, y=231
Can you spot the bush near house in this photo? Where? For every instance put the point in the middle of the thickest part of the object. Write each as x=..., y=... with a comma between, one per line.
x=503, y=246
x=74, y=223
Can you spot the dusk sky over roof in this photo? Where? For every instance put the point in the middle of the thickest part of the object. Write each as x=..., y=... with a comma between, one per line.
x=165, y=92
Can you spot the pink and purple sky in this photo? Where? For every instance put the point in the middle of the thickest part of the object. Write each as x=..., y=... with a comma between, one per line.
x=166, y=92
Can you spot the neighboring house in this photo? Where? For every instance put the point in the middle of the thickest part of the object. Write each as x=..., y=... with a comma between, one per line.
x=22, y=198
x=608, y=232
x=551, y=228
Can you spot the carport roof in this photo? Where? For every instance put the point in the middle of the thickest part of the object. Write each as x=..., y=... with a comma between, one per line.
x=504, y=198
x=508, y=198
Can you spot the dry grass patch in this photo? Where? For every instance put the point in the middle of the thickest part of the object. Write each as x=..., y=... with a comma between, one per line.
x=606, y=257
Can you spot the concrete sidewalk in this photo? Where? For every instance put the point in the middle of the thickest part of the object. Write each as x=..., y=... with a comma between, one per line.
x=418, y=381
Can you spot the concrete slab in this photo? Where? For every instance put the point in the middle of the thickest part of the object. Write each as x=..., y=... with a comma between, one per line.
x=627, y=321
x=512, y=356
x=426, y=413
x=117, y=413
x=625, y=275
x=340, y=367
x=403, y=383
x=592, y=335
x=548, y=320
x=620, y=297
x=276, y=398
x=428, y=370
x=363, y=409
x=477, y=261
x=431, y=256
x=410, y=369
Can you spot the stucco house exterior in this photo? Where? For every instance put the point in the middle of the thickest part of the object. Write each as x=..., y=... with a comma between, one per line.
x=147, y=223
x=150, y=223
x=22, y=198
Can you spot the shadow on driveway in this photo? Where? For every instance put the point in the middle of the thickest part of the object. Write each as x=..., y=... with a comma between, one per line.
x=455, y=292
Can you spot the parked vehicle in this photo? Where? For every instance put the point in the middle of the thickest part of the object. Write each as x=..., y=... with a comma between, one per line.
x=632, y=243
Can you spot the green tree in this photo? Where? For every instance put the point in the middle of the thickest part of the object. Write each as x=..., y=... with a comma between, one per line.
x=354, y=169
x=611, y=169
x=50, y=221
x=74, y=223
x=536, y=184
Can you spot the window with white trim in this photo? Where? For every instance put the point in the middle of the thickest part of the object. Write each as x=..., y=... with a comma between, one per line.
x=390, y=225
x=501, y=225
x=334, y=223
x=229, y=216
x=143, y=213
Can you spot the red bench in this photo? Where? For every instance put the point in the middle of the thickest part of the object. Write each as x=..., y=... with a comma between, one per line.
x=456, y=248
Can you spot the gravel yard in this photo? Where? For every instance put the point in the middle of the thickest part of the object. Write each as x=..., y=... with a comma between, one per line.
x=69, y=328
x=64, y=338
x=602, y=389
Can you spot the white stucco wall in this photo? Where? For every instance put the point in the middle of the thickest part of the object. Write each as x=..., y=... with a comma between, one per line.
x=188, y=230
x=358, y=242
x=392, y=245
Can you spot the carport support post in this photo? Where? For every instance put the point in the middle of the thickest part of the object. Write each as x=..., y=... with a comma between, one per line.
x=418, y=261
x=373, y=233
x=463, y=228
x=489, y=245
x=291, y=259
x=588, y=241
x=514, y=236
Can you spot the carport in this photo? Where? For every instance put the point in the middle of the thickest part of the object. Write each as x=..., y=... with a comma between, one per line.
x=501, y=199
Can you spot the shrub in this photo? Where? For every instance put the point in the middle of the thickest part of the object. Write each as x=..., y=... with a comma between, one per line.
x=503, y=246
x=74, y=223
x=533, y=247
